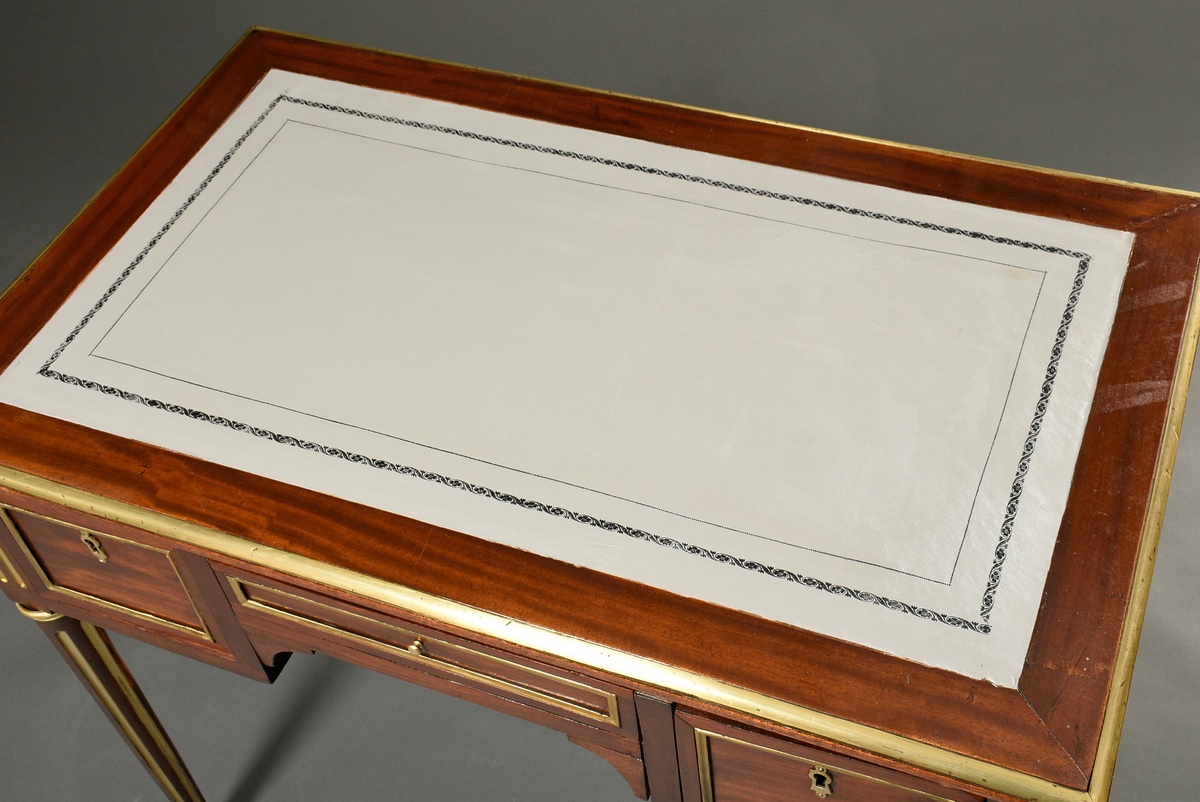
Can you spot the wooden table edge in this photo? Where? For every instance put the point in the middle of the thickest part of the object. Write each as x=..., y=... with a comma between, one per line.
x=256, y=51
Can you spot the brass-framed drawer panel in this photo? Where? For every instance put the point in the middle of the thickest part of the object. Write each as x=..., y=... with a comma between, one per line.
x=470, y=664
x=119, y=575
x=730, y=763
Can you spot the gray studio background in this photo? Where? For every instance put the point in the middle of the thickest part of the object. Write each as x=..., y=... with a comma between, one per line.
x=1106, y=88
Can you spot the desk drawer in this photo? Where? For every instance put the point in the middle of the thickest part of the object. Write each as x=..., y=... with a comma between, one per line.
x=481, y=668
x=733, y=764
x=117, y=574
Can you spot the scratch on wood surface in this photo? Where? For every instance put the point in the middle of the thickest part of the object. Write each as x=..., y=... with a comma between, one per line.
x=1158, y=295
x=1132, y=394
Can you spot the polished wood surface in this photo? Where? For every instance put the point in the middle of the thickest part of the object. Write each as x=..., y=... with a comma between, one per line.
x=733, y=764
x=138, y=604
x=90, y=654
x=1049, y=727
x=131, y=575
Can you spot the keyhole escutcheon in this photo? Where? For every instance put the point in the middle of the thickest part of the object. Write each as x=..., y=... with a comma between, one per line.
x=93, y=544
x=822, y=781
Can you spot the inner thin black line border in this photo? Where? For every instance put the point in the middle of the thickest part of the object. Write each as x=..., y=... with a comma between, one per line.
x=93, y=352
x=982, y=626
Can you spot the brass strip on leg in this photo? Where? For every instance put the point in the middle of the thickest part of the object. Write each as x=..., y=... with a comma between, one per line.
x=110, y=704
x=677, y=680
x=41, y=616
x=118, y=672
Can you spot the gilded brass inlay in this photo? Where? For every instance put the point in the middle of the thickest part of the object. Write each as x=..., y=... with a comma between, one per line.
x=117, y=670
x=41, y=616
x=565, y=647
x=933, y=758
x=9, y=568
x=704, y=758
x=416, y=651
x=50, y=585
x=114, y=709
x=1135, y=614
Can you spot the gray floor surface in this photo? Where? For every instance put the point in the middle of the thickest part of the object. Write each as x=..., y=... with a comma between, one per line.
x=1105, y=88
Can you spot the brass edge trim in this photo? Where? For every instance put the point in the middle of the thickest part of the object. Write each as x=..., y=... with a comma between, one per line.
x=704, y=764
x=611, y=715
x=118, y=672
x=41, y=616
x=896, y=747
x=12, y=530
x=747, y=117
x=114, y=710
x=707, y=792
x=1139, y=596
x=142, y=615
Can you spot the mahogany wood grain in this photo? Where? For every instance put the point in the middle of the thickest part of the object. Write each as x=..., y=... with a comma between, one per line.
x=222, y=622
x=91, y=656
x=693, y=713
x=1048, y=728
x=656, y=721
x=619, y=747
x=565, y=692
x=749, y=766
x=135, y=576
x=929, y=172
x=195, y=584
x=631, y=768
x=1071, y=657
x=790, y=664
x=371, y=638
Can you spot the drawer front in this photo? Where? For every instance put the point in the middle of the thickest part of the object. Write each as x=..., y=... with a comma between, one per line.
x=737, y=765
x=582, y=699
x=121, y=575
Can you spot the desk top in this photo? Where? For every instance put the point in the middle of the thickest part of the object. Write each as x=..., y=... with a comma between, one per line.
x=741, y=378
x=847, y=408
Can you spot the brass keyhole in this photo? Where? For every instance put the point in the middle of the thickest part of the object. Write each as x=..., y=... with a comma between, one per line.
x=93, y=543
x=822, y=781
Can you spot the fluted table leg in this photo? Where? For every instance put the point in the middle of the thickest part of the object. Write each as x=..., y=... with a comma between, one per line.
x=90, y=653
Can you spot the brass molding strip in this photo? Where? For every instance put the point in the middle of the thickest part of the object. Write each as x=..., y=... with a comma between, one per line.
x=609, y=715
x=704, y=758
x=41, y=616
x=118, y=671
x=1139, y=596
x=4, y=559
x=110, y=704
x=575, y=650
x=201, y=631
x=689, y=684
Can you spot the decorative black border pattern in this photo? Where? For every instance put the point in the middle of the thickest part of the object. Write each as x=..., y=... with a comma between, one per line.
x=982, y=626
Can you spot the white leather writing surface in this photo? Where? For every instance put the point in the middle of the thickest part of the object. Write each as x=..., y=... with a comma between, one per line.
x=850, y=409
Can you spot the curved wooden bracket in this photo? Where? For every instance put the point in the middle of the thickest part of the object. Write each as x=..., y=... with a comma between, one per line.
x=628, y=766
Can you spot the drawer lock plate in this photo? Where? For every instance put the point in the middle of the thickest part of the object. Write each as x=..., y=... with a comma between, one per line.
x=93, y=544
x=822, y=781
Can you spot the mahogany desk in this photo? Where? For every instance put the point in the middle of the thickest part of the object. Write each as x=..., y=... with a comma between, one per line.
x=688, y=636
